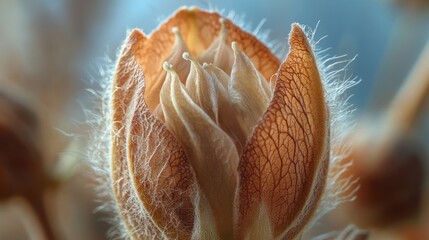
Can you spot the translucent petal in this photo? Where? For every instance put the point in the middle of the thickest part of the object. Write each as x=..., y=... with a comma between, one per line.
x=219, y=53
x=202, y=88
x=210, y=151
x=247, y=92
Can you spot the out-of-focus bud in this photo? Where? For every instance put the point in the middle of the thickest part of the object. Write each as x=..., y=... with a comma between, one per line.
x=21, y=165
x=391, y=182
x=22, y=169
x=413, y=4
x=388, y=161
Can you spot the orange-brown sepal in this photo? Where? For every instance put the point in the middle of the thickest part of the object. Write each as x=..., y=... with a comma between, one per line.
x=152, y=180
x=284, y=164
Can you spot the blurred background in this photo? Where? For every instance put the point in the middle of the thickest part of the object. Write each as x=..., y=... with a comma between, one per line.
x=52, y=51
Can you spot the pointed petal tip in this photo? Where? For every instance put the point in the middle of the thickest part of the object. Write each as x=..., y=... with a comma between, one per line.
x=186, y=56
x=235, y=49
x=297, y=28
x=135, y=35
x=297, y=35
x=134, y=41
x=234, y=46
x=175, y=30
x=167, y=67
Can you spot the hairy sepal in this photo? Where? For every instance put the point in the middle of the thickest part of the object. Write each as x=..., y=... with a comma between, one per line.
x=284, y=165
x=152, y=181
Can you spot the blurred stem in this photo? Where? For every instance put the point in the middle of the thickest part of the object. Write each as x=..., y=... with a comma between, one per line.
x=407, y=105
x=41, y=215
x=404, y=110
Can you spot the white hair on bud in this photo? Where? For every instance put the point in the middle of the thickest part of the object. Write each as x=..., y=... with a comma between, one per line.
x=98, y=151
x=99, y=120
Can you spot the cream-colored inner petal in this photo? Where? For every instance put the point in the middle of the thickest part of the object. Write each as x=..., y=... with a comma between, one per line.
x=219, y=53
x=209, y=149
x=248, y=91
x=212, y=110
x=201, y=88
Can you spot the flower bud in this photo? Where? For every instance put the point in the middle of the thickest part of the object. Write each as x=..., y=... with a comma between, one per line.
x=212, y=137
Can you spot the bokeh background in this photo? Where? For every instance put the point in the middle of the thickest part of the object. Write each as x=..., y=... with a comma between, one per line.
x=52, y=51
